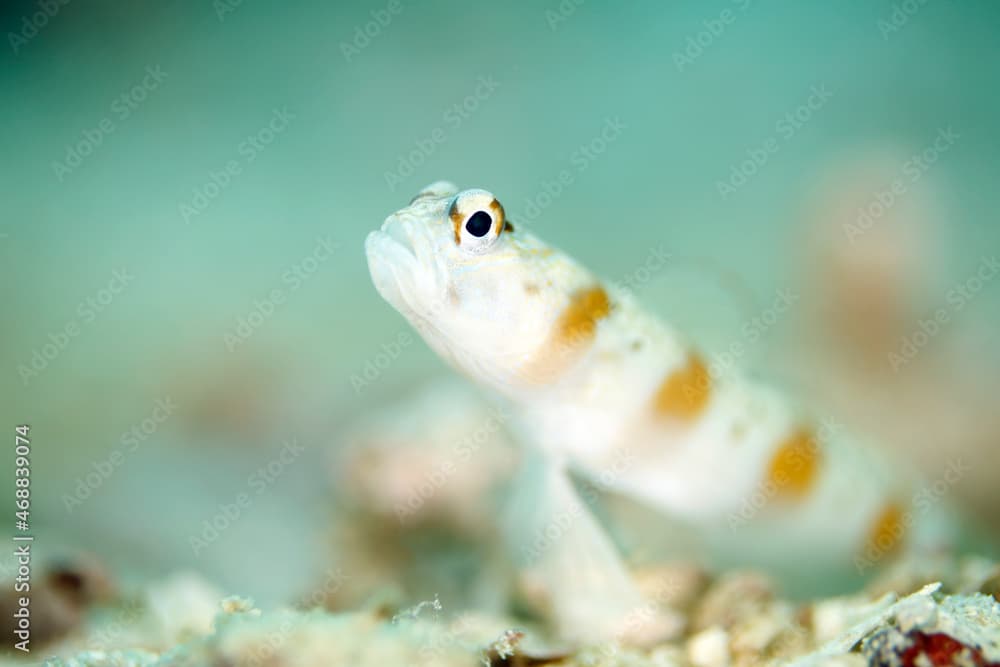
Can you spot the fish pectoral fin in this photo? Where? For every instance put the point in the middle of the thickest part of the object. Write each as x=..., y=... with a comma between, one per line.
x=570, y=569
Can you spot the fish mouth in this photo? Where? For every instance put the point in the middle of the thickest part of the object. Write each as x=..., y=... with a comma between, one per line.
x=397, y=231
x=388, y=261
x=393, y=264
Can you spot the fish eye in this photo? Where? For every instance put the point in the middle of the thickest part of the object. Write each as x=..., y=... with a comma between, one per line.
x=479, y=224
x=478, y=220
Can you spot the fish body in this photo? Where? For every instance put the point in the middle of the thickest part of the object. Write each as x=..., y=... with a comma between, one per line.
x=603, y=387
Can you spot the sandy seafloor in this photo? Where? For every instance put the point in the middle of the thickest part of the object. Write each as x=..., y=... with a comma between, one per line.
x=945, y=612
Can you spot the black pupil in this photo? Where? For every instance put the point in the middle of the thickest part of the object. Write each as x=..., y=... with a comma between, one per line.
x=479, y=224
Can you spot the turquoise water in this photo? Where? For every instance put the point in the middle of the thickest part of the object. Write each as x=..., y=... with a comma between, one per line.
x=227, y=161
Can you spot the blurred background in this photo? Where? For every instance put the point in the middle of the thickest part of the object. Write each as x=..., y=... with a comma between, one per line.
x=189, y=322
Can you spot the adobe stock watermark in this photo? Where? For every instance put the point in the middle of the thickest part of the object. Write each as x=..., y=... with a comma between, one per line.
x=291, y=280
x=725, y=362
x=121, y=108
x=461, y=452
x=900, y=15
x=264, y=651
x=956, y=300
x=34, y=23
x=368, y=32
x=259, y=482
x=753, y=330
x=560, y=523
x=452, y=119
x=318, y=596
x=128, y=443
x=712, y=29
x=656, y=260
x=785, y=129
x=911, y=171
x=580, y=160
x=766, y=490
x=641, y=617
x=221, y=178
x=375, y=366
x=437, y=647
x=225, y=7
x=925, y=498
x=562, y=12
x=110, y=632
x=86, y=312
